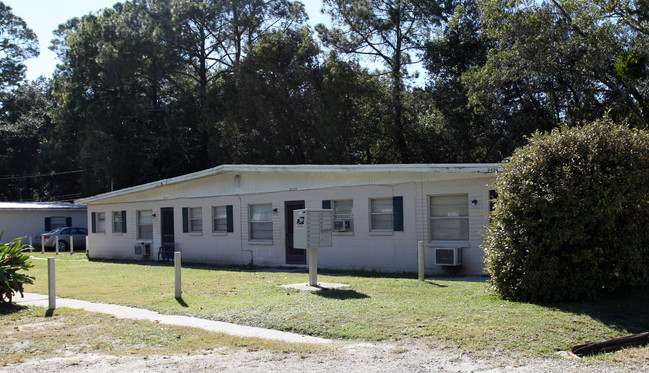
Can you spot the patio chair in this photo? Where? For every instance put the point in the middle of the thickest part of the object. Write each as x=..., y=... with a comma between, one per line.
x=166, y=252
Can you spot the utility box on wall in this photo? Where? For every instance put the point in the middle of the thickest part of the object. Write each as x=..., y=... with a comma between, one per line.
x=312, y=228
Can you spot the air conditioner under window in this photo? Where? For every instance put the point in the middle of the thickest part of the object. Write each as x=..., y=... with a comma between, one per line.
x=143, y=248
x=448, y=256
x=342, y=225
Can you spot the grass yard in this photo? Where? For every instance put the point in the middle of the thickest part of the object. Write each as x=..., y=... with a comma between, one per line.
x=449, y=313
x=30, y=333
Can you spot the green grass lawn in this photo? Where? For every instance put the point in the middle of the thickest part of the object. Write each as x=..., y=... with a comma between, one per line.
x=448, y=313
x=33, y=333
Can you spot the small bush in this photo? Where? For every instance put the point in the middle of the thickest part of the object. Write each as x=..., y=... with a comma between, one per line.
x=12, y=261
x=571, y=220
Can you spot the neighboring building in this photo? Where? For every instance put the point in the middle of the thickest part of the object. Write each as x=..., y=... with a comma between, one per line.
x=29, y=219
x=243, y=214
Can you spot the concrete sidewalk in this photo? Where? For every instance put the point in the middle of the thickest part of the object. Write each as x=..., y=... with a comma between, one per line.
x=124, y=312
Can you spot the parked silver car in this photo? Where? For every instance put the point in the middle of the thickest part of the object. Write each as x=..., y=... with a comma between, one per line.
x=64, y=234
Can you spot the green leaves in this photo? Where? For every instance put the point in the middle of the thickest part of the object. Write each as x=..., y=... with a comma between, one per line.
x=12, y=263
x=632, y=65
x=17, y=44
x=572, y=214
x=286, y=106
x=562, y=61
x=390, y=32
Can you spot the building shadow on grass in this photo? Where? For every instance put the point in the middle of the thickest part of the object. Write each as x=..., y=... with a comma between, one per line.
x=292, y=269
x=461, y=278
x=341, y=294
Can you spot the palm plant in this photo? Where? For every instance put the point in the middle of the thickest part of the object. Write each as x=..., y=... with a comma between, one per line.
x=12, y=263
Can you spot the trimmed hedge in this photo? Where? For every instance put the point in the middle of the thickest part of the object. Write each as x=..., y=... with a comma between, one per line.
x=571, y=220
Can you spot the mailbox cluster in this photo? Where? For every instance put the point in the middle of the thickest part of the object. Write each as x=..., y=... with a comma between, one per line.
x=313, y=228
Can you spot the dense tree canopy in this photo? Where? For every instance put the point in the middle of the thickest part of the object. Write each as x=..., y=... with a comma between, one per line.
x=464, y=134
x=392, y=32
x=17, y=44
x=24, y=122
x=150, y=89
x=23, y=109
x=563, y=61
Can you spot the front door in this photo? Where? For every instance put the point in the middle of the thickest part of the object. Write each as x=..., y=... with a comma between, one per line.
x=293, y=256
x=167, y=224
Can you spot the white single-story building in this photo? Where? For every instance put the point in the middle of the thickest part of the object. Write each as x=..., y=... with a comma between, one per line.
x=243, y=214
x=29, y=219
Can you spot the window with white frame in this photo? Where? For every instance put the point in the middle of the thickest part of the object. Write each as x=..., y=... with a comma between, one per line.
x=219, y=219
x=101, y=222
x=343, y=217
x=196, y=219
x=261, y=222
x=381, y=214
x=145, y=225
x=449, y=218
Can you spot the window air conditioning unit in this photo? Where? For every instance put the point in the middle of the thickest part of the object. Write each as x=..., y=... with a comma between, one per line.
x=448, y=256
x=143, y=248
x=342, y=225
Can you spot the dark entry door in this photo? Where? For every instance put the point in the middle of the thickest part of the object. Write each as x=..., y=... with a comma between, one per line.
x=167, y=224
x=293, y=256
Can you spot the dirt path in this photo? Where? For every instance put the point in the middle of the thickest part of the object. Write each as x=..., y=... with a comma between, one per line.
x=346, y=357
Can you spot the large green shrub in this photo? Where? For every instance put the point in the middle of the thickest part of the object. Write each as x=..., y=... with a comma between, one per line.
x=12, y=263
x=571, y=220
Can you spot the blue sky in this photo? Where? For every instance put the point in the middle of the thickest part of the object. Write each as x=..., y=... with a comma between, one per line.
x=43, y=16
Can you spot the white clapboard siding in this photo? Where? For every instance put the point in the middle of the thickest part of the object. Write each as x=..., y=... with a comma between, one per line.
x=242, y=186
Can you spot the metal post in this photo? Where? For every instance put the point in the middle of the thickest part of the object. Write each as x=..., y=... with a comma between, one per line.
x=313, y=267
x=177, y=274
x=42, y=245
x=56, y=239
x=31, y=246
x=420, y=259
x=71, y=245
x=51, y=288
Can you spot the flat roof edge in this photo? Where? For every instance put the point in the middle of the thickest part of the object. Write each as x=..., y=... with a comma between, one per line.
x=486, y=168
x=41, y=206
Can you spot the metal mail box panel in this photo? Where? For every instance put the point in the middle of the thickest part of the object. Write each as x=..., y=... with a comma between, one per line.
x=313, y=228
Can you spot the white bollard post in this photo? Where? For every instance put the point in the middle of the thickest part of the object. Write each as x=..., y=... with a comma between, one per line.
x=56, y=239
x=42, y=245
x=71, y=245
x=51, y=288
x=31, y=246
x=420, y=259
x=177, y=263
x=313, y=267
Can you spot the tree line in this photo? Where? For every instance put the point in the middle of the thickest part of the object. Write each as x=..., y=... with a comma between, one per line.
x=151, y=89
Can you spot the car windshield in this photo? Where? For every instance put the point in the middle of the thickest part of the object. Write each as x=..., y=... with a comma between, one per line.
x=53, y=231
